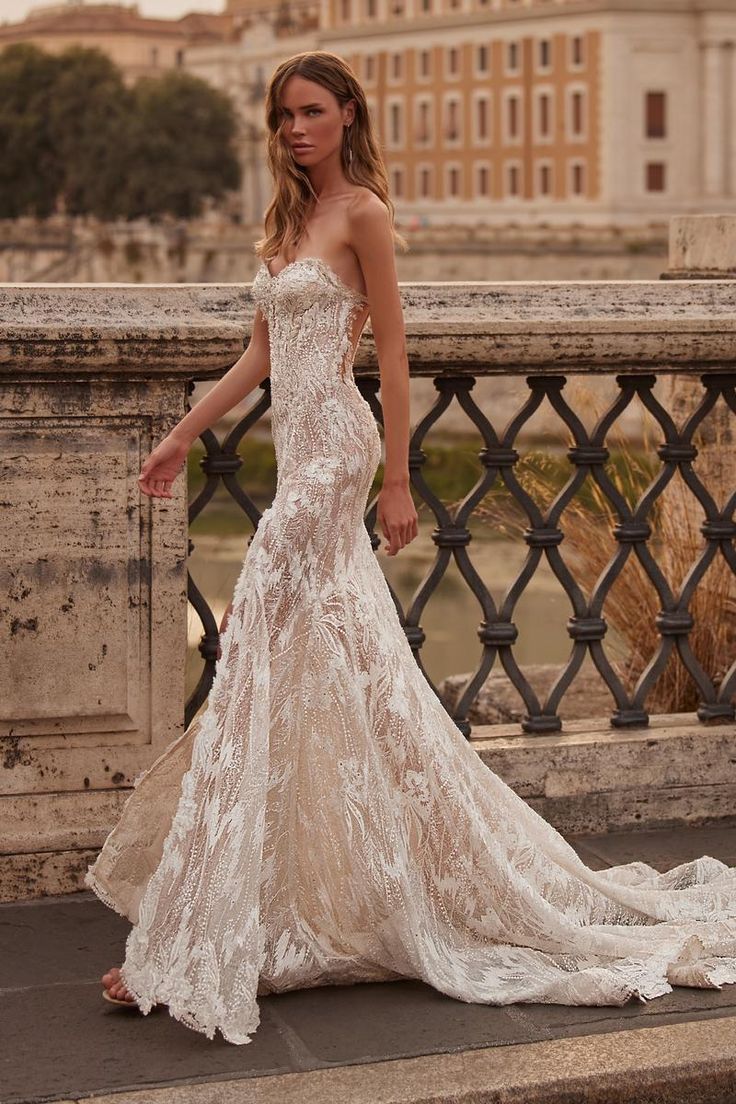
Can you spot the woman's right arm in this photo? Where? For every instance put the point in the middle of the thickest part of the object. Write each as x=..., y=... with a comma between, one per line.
x=168, y=458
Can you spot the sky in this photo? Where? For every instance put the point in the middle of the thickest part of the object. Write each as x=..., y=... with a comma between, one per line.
x=12, y=11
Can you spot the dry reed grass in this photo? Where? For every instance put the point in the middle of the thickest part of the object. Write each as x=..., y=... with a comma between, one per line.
x=633, y=603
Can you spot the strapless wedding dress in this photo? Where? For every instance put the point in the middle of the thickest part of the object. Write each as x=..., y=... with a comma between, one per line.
x=323, y=821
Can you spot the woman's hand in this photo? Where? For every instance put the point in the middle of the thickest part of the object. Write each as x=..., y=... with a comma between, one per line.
x=396, y=516
x=162, y=466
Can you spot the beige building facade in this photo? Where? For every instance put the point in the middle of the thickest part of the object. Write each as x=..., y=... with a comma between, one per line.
x=139, y=45
x=592, y=111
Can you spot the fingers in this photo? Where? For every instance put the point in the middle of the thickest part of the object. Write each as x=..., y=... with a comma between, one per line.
x=399, y=535
x=159, y=470
x=157, y=488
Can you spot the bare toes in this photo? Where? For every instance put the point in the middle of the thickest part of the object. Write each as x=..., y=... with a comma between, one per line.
x=115, y=986
x=122, y=993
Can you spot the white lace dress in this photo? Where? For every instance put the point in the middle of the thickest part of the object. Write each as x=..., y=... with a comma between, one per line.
x=323, y=820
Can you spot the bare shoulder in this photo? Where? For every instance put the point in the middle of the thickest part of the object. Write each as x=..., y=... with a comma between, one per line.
x=367, y=213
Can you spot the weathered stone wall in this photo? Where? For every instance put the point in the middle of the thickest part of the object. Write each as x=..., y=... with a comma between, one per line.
x=214, y=250
x=702, y=246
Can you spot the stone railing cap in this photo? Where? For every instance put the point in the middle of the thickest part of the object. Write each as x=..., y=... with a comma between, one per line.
x=198, y=330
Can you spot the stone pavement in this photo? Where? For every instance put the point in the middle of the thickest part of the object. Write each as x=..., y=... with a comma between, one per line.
x=393, y=1041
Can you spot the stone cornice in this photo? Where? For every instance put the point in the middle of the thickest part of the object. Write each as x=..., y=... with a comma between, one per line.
x=396, y=25
x=199, y=330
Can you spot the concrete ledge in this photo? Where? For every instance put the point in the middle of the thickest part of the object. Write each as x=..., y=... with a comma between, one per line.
x=595, y=778
x=24, y=876
x=695, y=1062
x=702, y=247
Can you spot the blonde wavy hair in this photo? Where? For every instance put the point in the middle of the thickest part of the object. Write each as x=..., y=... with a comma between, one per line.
x=286, y=215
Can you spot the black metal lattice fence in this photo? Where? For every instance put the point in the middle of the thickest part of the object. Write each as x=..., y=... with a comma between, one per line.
x=589, y=454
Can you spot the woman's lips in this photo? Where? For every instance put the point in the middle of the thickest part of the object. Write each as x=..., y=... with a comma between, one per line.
x=301, y=149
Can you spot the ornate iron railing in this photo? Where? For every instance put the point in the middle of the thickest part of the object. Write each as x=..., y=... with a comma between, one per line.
x=500, y=455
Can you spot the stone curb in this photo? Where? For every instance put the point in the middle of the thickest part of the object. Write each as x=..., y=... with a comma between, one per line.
x=693, y=1061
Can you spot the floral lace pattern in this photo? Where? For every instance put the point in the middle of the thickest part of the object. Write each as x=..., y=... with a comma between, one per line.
x=322, y=820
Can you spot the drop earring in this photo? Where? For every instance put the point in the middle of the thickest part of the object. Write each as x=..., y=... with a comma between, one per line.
x=350, y=148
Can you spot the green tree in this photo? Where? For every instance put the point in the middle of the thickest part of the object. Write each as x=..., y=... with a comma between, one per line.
x=90, y=122
x=72, y=133
x=31, y=172
x=183, y=146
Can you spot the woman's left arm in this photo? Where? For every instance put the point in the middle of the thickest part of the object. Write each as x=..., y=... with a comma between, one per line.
x=372, y=241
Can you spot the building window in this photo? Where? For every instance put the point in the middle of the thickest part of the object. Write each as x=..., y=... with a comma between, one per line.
x=483, y=181
x=544, y=114
x=370, y=9
x=424, y=131
x=369, y=67
x=544, y=55
x=481, y=59
x=452, y=61
x=577, y=55
x=513, y=178
x=424, y=63
x=655, y=121
x=179, y=58
x=513, y=117
x=577, y=178
x=482, y=129
x=426, y=5
x=577, y=107
x=655, y=176
x=452, y=120
x=397, y=182
x=345, y=10
x=397, y=66
x=154, y=55
x=395, y=124
x=512, y=57
x=453, y=181
x=425, y=182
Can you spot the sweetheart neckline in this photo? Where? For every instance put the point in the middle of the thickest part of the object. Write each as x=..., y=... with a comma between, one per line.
x=325, y=265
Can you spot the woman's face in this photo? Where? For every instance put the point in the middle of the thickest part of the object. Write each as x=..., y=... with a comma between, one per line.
x=314, y=120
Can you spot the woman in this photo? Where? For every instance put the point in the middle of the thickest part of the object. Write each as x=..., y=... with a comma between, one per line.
x=323, y=821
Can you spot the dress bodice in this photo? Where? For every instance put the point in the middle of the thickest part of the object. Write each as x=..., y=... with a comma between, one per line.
x=310, y=312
